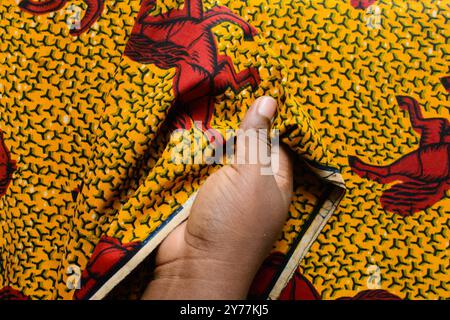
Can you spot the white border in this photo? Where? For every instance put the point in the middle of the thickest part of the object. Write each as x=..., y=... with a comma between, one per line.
x=311, y=234
x=143, y=253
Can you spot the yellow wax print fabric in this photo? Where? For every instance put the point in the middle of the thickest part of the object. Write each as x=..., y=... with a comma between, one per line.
x=88, y=184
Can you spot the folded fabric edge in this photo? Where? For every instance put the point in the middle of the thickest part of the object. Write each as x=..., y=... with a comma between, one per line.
x=148, y=247
x=326, y=207
x=305, y=239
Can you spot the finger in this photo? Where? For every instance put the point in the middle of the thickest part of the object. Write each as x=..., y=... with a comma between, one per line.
x=260, y=114
x=253, y=142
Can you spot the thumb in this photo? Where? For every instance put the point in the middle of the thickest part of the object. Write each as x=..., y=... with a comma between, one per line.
x=253, y=142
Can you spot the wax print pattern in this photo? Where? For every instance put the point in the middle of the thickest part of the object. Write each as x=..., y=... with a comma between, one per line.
x=88, y=188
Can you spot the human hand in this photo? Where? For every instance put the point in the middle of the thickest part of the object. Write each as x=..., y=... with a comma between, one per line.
x=234, y=221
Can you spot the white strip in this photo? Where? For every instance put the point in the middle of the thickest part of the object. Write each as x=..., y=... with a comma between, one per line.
x=144, y=251
x=307, y=240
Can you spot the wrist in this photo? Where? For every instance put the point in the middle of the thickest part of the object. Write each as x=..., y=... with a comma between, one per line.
x=197, y=279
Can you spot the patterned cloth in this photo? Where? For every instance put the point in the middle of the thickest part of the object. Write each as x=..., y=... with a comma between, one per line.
x=91, y=91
